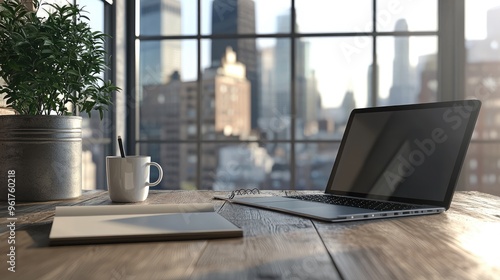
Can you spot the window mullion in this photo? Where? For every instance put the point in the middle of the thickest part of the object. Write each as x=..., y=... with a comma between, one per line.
x=293, y=95
x=451, y=49
x=131, y=85
x=374, y=75
x=198, y=103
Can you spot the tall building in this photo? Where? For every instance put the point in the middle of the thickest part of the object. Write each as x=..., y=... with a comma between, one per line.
x=159, y=59
x=282, y=79
x=313, y=104
x=308, y=96
x=403, y=88
x=348, y=104
x=492, y=23
x=229, y=88
x=489, y=48
x=428, y=73
x=379, y=100
x=172, y=114
x=482, y=74
x=237, y=17
x=268, y=98
x=303, y=74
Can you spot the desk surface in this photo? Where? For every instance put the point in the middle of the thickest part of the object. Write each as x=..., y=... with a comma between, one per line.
x=462, y=243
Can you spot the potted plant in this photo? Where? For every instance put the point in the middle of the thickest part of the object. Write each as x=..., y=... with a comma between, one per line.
x=51, y=67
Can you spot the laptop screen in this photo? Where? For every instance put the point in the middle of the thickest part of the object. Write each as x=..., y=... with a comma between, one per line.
x=404, y=153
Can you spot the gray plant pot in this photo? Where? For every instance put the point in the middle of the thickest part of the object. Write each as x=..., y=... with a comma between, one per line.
x=45, y=153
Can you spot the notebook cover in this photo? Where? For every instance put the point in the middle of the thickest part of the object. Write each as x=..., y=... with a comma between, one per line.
x=134, y=223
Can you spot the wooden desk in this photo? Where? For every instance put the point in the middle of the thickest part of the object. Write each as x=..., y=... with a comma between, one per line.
x=462, y=243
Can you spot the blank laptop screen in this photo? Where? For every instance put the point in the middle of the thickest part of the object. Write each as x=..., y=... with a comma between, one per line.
x=401, y=153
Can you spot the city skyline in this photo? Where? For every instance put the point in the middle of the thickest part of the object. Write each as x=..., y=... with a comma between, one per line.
x=345, y=85
x=266, y=13
x=425, y=64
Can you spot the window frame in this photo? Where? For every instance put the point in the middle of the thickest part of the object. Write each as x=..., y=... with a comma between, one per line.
x=109, y=117
x=451, y=70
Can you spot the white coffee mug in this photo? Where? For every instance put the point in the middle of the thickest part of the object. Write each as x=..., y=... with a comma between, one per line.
x=128, y=177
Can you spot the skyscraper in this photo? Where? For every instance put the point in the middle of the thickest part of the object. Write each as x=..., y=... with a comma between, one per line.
x=303, y=74
x=237, y=17
x=266, y=71
x=172, y=113
x=486, y=50
x=493, y=18
x=482, y=74
x=403, y=88
x=159, y=59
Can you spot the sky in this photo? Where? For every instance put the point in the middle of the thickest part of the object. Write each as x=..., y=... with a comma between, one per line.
x=339, y=64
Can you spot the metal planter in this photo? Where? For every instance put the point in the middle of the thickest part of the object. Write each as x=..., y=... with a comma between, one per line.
x=45, y=153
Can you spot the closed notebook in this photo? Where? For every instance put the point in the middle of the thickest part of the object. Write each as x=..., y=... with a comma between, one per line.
x=133, y=223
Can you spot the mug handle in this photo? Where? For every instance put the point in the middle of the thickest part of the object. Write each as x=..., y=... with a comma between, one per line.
x=159, y=178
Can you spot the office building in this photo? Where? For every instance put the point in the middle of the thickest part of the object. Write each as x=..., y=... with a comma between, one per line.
x=171, y=114
x=159, y=59
x=403, y=89
x=237, y=18
x=266, y=87
x=306, y=93
x=483, y=82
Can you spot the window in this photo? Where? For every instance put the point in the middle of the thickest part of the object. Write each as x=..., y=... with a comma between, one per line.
x=293, y=71
x=96, y=133
x=482, y=81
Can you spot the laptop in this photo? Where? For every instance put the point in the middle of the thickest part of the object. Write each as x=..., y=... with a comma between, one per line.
x=392, y=161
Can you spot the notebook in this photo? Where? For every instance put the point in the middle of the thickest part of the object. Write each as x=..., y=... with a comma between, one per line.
x=131, y=223
x=392, y=161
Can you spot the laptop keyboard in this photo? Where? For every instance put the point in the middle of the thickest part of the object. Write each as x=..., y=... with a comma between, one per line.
x=353, y=202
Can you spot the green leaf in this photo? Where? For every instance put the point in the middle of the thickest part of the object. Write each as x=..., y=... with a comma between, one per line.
x=51, y=62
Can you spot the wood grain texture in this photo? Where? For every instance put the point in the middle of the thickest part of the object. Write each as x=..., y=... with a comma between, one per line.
x=462, y=243
x=275, y=246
